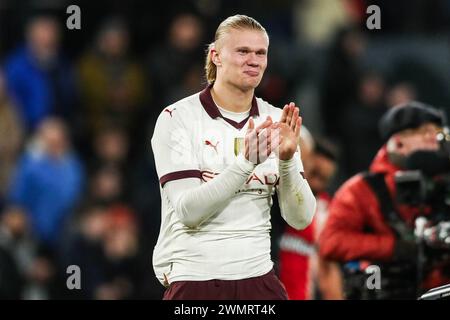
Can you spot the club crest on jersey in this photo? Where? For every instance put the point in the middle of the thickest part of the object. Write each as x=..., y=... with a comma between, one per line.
x=238, y=146
x=170, y=111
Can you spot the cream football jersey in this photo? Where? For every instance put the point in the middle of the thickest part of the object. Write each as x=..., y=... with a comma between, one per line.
x=192, y=139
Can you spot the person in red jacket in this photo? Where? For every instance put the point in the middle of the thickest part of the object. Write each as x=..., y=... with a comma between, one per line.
x=358, y=229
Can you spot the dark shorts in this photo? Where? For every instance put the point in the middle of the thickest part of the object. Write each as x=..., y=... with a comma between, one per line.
x=265, y=287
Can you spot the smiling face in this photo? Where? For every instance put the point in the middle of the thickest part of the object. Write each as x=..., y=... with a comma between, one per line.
x=241, y=58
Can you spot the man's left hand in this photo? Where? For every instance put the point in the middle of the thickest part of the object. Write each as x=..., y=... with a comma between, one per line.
x=289, y=130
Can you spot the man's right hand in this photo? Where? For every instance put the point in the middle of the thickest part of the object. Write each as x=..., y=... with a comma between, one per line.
x=261, y=141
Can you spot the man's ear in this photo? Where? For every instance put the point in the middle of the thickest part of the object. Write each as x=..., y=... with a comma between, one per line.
x=215, y=57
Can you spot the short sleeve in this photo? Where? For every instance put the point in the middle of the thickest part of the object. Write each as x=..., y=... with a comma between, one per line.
x=173, y=149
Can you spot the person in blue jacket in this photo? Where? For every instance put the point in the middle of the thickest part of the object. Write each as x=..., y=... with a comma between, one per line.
x=40, y=81
x=48, y=181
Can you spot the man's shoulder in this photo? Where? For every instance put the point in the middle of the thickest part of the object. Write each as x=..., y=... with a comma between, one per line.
x=265, y=108
x=184, y=109
x=188, y=102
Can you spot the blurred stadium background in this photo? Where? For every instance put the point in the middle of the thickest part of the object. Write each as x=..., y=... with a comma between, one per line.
x=77, y=110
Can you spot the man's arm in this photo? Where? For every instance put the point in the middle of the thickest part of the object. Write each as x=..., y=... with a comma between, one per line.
x=195, y=202
x=178, y=170
x=297, y=202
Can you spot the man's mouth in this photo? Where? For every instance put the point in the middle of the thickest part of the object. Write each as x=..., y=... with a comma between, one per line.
x=252, y=73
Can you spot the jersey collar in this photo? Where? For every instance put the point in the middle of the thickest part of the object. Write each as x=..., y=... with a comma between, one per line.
x=213, y=111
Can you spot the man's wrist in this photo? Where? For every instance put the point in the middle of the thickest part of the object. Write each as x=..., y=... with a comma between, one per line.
x=245, y=165
x=291, y=164
x=286, y=156
x=287, y=163
x=287, y=166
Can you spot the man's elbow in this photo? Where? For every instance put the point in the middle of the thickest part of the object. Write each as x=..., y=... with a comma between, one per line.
x=305, y=217
x=190, y=225
x=302, y=223
x=189, y=221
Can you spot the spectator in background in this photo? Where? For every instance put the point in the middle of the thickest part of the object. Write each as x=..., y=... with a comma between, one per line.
x=11, y=135
x=48, y=181
x=174, y=59
x=369, y=224
x=39, y=79
x=400, y=93
x=111, y=82
x=35, y=270
x=110, y=147
x=106, y=247
x=359, y=124
x=15, y=235
x=106, y=186
x=107, y=189
x=189, y=84
x=44, y=281
x=340, y=81
x=12, y=274
x=85, y=248
x=124, y=270
x=304, y=274
x=145, y=199
x=328, y=275
x=421, y=75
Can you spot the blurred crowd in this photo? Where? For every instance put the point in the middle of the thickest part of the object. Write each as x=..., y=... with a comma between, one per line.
x=77, y=179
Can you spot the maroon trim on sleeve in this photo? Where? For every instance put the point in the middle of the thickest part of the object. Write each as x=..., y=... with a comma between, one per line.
x=179, y=175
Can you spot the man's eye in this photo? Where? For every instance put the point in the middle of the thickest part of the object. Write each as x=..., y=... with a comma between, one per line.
x=243, y=51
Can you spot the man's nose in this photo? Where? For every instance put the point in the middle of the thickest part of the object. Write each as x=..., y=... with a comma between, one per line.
x=253, y=60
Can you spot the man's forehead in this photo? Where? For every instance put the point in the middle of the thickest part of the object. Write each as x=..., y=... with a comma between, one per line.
x=254, y=39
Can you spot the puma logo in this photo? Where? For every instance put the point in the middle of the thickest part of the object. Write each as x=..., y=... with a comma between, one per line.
x=170, y=111
x=209, y=143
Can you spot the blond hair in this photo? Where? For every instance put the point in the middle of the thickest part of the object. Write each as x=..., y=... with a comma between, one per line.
x=238, y=21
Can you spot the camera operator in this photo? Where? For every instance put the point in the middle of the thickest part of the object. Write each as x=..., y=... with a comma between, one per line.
x=368, y=225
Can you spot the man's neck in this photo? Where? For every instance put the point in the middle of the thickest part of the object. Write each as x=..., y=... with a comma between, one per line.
x=231, y=98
